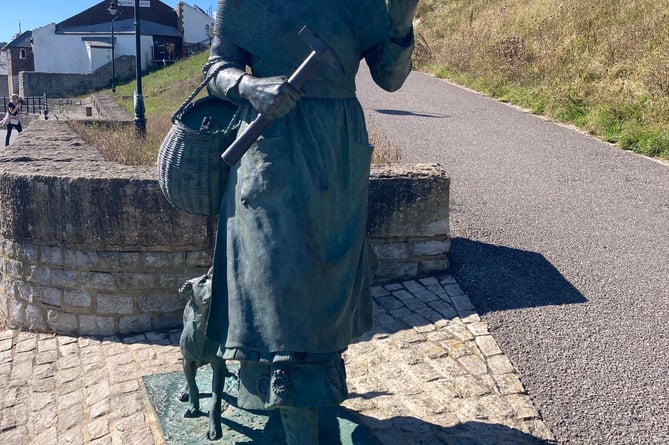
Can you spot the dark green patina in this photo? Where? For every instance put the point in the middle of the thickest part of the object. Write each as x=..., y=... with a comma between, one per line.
x=240, y=426
x=292, y=266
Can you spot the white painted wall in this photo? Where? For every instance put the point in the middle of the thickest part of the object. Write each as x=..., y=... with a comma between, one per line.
x=57, y=53
x=195, y=23
x=99, y=56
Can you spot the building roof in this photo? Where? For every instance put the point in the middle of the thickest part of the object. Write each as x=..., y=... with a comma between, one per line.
x=159, y=13
x=121, y=27
x=24, y=40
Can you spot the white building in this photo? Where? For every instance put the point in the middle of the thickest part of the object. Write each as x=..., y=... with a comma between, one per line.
x=83, y=43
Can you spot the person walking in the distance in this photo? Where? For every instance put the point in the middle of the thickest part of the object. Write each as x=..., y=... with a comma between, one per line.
x=11, y=118
x=292, y=267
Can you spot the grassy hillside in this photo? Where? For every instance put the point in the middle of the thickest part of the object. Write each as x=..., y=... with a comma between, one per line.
x=164, y=91
x=602, y=65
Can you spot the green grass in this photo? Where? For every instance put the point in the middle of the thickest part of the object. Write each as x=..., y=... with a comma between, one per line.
x=600, y=65
x=163, y=90
x=166, y=89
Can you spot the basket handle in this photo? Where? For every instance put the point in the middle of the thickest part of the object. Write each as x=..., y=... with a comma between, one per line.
x=205, y=82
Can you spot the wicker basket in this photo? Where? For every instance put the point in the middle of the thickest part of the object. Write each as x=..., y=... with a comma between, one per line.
x=191, y=172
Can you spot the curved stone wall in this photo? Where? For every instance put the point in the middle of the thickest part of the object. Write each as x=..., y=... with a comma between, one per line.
x=91, y=247
x=88, y=246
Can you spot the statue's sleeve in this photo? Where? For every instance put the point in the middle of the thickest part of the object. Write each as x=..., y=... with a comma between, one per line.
x=229, y=59
x=390, y=61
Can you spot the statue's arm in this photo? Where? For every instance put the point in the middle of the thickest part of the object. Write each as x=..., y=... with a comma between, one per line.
x=390, y=60
x=233, y=60
x=272, y=96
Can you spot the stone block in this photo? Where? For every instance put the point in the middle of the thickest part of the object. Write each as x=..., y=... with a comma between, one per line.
x=390, y=250
x=8, y=287
x=500, y=364
x=51, y=256
x=77, y=298
x=164, y=260
x=16, y=312
x=127, y=261
x=3, y=305
x=200, y=259
x=77, y=259
x=430, y=247
x=25, y=291
x=133, y=324
x=523, y=406
x=51, y=296
x=136, y=281
x=64, y=278
x=13, y=268
x=165, y=303
x=96, y=325
x=408, y=199
x=473, y=365
x=488, y=345
x=99, y=280
x=39, y=275
x=390, y=271
x=173, y=281
x=389, y=303
x=34, y=318
x=62, y=322
x=115, y=304
x=25, y=252
x=426, y=267
x=443, y=308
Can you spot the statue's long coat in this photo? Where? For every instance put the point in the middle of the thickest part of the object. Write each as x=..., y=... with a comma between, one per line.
x=292, y=265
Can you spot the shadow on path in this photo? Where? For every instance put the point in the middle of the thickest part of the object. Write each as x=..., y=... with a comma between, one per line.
x=499, y=278
x=411, y=113
x=415, y=431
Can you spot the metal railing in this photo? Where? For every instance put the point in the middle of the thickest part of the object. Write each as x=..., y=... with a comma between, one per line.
x=29, y=105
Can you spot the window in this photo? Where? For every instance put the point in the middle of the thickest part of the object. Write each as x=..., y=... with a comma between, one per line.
x=22, y=53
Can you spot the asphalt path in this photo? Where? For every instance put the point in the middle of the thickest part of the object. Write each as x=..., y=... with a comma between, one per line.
x=562, y=243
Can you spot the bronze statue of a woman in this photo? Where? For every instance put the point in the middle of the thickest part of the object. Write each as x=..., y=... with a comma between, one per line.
x=292, y=267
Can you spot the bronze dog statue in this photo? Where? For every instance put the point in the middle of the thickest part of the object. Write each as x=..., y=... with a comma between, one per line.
x=198, y=351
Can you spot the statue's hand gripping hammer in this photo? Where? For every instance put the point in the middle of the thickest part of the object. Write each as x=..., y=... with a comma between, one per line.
x=320, y=50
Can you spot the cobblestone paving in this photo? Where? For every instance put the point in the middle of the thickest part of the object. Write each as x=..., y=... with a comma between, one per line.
x=428, y=373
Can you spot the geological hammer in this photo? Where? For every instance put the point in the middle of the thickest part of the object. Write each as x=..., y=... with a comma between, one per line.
x=320, y=50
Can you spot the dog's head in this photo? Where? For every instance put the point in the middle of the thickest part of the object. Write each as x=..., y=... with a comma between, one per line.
x=197, y=292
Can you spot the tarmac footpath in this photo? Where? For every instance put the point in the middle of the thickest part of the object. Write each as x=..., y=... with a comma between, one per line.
x=428, y=373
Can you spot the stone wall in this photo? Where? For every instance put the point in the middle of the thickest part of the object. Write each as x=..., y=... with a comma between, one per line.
x=57, y=85
x=91, y=247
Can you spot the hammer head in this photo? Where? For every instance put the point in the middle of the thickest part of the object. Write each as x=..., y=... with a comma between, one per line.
x=321, y=48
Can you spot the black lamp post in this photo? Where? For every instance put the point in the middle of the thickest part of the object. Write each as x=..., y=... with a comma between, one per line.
x=115, y=12
x=140, y=120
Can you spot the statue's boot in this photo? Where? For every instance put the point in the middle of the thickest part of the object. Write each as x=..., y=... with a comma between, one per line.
x=300, y=425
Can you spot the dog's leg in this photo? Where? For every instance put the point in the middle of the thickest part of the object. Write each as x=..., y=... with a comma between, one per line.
x=219, y=372
x=182, y=396
x=190, y=369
